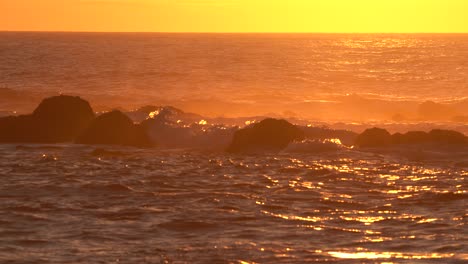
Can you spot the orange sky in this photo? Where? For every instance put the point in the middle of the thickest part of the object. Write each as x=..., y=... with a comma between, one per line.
x=236, y=15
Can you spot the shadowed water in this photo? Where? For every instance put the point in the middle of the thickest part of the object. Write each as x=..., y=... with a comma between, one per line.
x=76, y=204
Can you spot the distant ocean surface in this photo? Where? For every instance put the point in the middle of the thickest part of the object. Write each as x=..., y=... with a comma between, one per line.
x=182, y=203
x=265, y=69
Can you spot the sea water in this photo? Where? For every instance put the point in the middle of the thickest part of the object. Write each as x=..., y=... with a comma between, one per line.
x=69, y=203
x=76, y=204
x=232, y=74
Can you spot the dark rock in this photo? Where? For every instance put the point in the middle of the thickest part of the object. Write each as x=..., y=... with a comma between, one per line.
x=377, y=137
x=374, y=137
x=441, y=136
x=63, y=117
x=268, y=135
x=114, y=128
x=56, y=119
x=411, y=137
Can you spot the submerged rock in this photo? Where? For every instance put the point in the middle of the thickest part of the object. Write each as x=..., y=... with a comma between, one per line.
x=18, y=129
x=436, y=136
x=56, y=119
x=374, y=137
x=268, y=135
x=114, y=128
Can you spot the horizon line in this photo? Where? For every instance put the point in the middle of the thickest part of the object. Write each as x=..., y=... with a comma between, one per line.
x=219, y=32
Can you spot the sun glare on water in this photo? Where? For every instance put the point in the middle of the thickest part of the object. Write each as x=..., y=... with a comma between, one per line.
x=387, y=255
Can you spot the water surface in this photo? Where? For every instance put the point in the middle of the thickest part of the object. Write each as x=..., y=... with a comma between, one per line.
x=267, y=69
x=72, y=204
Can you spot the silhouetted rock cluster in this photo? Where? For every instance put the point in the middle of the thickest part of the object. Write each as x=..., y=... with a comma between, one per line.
x=374, y=137
x=56, y=119
x=267, y=135
x=71, y=119
x=114, y=128
x=447, y=137
x=68, y=118
x=377, y=137
x=411, y=137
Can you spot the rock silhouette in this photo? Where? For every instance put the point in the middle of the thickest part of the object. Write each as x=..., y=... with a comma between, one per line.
x=411, y=137
x=56, y=119
x=268, y=135
x=377, y=137
x=114, y=128
x=441, y=136
x=374, y=137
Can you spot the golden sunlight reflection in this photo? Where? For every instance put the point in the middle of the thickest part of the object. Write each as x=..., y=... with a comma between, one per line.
x=246, y=262
x=334, y=141
x=153, y=114
x=203, y=122
x=387, y=255
x=339, y=228
x=367, y=220
x=293, y=217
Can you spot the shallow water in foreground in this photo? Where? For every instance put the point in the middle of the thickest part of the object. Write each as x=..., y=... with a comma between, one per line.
x=237, y=74
x=64, y=204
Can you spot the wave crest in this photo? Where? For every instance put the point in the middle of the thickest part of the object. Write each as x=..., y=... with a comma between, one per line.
x=316, y=146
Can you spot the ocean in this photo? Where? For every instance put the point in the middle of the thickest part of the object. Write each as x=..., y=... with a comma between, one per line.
x=184, y=202
x=237, y=74
x=72, y=204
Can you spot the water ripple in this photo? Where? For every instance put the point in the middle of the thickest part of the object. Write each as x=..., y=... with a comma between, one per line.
x=154, y=206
